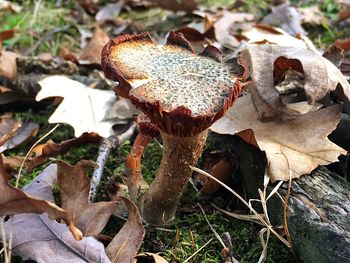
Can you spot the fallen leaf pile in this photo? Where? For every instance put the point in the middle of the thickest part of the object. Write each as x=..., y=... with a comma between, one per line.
x=15, y=201
x=297, y=146
x=91, y=219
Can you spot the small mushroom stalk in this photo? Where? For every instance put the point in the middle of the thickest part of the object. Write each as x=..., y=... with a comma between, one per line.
x=136, y=184
x=160, y=201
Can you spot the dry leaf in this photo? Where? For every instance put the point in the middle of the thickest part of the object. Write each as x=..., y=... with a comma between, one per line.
x=83, y=108
x=221, y=165
x=8, y=127
x=345, y=69
x=222, y=171
x=147, y=257
x=12, y=163
x=7, y=34
x=334, y=55
x=129, y=239
x=8, y=66
x=298, y=145
x=228, y=25
x=345, y=14
x=10, y=6
x=343, y=44
x=35, y=237
x=283, y=76
x=286, y=17
x=273, y=35
x=21, y=134
x=74, y=185
x=110, y=11
x=51, y=149
x=15, y=201
x=311, y=15
x=183, y=5
x=91, y=54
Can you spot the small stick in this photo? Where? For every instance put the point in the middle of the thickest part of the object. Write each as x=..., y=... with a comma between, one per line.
x=2, y=226
x=104, y=150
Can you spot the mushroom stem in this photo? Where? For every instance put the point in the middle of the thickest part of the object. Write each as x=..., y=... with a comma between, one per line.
x=159, y=203
x=135, y=180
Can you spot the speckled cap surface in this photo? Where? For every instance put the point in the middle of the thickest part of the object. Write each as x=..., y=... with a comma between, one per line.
x=183, y=93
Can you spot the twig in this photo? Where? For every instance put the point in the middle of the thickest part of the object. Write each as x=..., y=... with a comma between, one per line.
x=195, y=253
x=3, y=234
x=104, y=150
x=285, y=206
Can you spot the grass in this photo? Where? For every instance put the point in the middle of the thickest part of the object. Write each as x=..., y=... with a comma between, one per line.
x=44, y=26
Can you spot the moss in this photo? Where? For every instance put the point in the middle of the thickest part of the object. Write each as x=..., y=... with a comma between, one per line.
x=46, y=28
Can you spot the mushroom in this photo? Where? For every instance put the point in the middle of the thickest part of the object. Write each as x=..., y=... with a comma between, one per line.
x=183, y=94
x=135, y=181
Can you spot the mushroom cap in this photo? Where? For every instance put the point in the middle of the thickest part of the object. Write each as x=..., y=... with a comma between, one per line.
x=146, y=126
x=181, y=92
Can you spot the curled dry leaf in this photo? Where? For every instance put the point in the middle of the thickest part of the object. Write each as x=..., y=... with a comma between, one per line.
x=221, y=165
x=36, y=237
x=11, y=164
x=221, y=171
x=15, y=201
x=51, y=149
x=287, y=82
x=91, y=54
x=18, y=133
x=7, y=135
x=94, y=105
x=129, y=239
x=74, y=185
x=297, y=146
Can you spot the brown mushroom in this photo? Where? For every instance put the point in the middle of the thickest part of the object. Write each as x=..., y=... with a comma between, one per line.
x=135, y=181
x=183, y=94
